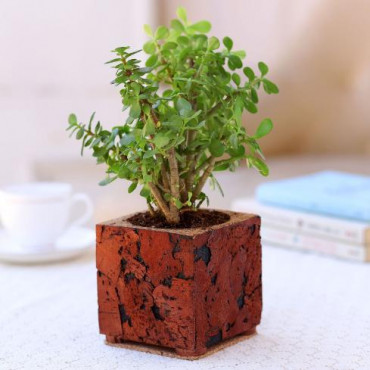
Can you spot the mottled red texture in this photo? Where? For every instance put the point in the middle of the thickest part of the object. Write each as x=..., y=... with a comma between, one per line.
x=182, y=289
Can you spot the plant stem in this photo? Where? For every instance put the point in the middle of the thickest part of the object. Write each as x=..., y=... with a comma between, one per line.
x=216, y=107
x=183, y=192
x=203, y=179
x=203, y=165
x=174, y=185
x=164, y=173
x=190, y=161
x=161, y=203
x=150, y=208
x=166, y=183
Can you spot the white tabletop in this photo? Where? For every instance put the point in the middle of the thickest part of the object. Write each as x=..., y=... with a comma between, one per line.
x=316, y=315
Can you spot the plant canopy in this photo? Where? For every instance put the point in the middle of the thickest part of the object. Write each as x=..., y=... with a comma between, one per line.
x=184, y=119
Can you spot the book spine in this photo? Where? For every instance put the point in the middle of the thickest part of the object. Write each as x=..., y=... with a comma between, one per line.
x=347, y=231
x=306, y=242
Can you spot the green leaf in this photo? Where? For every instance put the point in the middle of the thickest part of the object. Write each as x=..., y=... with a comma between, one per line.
x=228, y=43
x=236, y=78
x=144, y=70
x=123, y=172
x=148, y=30
x=113, y=60
x=254, y=95
x=213, y=43
x=135, y=110
x=127, y=139
x=263, y=68
x=72, y=119
x=149, y=47
x=160, y=140
x=183, y=107
x=200, y=42
x=121, y=50
x=234, y=140
x=259, y=165
x=216, y=184
x=201, y=26
x=240, y=53
x=238, y=152
x=178, y=203
x=91, y=121
x=169, y=45
x=80, y=133
x=236, y=61
x=181, y=13
x=216, y=148
x=132, y=187
x=264, y=128
x=269, y=86
x=151, y=61
x=135, y=87
x=183, y=40
x=221, y=167
x=145, y=192
x=149, y=128
x=107, y=180
x=161, y=33
x=177, y=25
x=149, y=154
x=250, y=106
x=249, y=73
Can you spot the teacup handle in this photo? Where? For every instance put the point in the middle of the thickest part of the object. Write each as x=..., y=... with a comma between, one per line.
x=82, y=197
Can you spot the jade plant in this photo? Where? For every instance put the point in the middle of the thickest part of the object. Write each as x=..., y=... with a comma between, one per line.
x=184, y=118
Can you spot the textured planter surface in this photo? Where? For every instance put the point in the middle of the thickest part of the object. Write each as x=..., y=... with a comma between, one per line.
x=185, y=289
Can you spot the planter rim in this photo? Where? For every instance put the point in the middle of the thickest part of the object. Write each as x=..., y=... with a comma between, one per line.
x=235, y=218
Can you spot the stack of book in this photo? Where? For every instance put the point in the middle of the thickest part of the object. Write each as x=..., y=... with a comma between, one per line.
x=327, y=212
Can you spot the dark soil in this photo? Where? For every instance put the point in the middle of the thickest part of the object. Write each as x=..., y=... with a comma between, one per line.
x=188, y=219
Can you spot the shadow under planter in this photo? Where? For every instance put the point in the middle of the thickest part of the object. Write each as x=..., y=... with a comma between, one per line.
x=184, y=289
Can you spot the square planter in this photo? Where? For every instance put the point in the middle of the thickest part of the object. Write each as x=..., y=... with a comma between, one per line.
x=184, y=289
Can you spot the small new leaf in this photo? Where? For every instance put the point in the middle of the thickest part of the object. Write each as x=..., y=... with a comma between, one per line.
x=183, y=107
x=249, y=73
x=202, y=27
x=177, y=25
x=269, y=87
x=72, y=119
x=132, y=187
x=181, y=13
x=236, y=78
x=263, y=68
x=213, y=43
x=149, y=47
x=135, y=110
x=161, y=33
x=107, y=180
x=264, y=128
x=160, y=140
x=148, y=30
x=216, y=148
x=228, y=43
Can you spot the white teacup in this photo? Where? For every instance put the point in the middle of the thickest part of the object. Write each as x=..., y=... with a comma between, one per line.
x=36, y=214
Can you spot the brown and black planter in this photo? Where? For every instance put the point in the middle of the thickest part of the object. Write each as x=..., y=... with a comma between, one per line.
x=183, y=289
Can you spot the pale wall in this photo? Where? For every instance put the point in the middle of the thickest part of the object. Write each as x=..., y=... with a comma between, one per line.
x=52, y=56
x=319, y=54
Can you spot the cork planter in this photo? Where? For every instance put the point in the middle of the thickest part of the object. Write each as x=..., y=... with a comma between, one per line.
x=183, y=289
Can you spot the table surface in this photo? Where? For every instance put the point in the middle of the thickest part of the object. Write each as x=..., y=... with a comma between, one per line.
x=316, y=315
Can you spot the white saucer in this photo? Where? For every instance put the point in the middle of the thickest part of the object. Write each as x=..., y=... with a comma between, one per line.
x=74, y=242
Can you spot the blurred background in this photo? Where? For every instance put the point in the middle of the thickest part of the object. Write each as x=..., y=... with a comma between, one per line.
x=52, y=63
